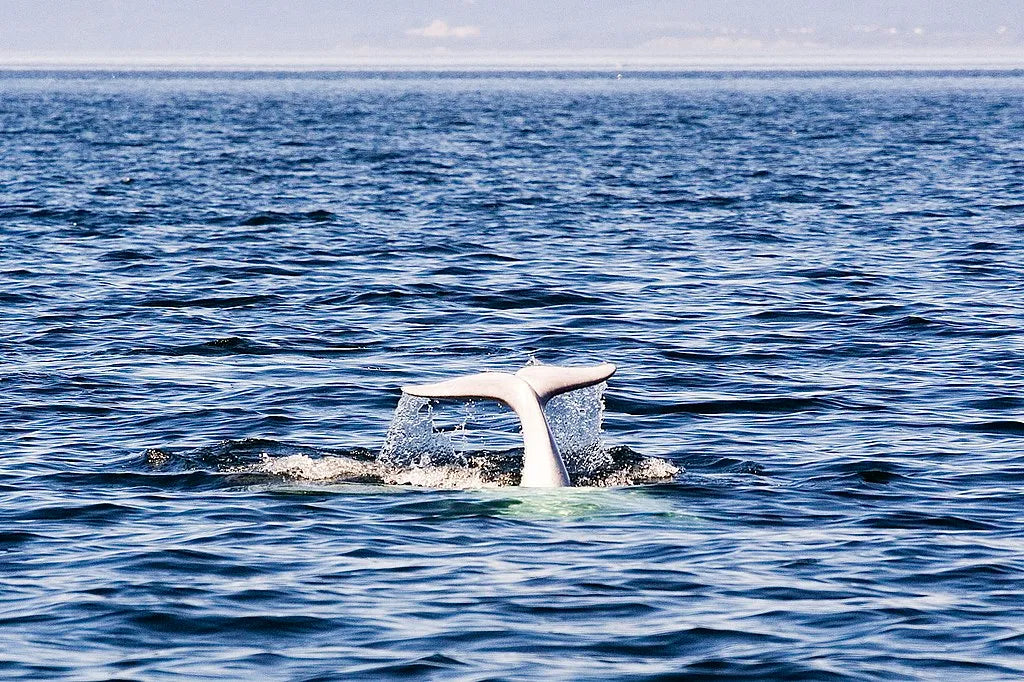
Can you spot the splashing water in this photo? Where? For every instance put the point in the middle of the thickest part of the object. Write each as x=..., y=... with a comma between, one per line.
x=427, y=446
x=412, y=440
x=575, y=420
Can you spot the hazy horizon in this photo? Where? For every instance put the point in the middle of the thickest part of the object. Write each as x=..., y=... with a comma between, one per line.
x=468, y=33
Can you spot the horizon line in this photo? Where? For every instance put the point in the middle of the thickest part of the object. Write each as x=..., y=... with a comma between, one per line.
x=539, y=61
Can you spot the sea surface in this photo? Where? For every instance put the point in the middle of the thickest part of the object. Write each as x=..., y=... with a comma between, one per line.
x=213, y=286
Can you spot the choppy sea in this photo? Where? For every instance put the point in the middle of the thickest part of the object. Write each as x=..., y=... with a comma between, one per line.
x=810, y=464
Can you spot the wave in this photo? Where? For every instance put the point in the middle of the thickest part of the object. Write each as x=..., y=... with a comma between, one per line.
x=752, y=405
x=515, y=299
x=212, y=302
x=126, y=255
x=1008, y=427
x=280, y=218
x=235, y=345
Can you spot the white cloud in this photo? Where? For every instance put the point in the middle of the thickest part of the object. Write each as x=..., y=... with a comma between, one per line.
x=670, y=44
x=439, y=28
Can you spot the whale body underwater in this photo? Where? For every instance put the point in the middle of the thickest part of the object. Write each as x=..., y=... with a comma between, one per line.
x=526, y=392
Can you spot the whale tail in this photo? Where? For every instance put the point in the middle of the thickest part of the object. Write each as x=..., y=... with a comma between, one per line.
x=547, y=381
x=526, y=392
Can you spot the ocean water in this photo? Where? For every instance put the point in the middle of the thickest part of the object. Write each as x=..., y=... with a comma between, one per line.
x=212, y=286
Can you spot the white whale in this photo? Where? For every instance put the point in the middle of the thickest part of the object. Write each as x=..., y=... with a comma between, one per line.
x=526, y=392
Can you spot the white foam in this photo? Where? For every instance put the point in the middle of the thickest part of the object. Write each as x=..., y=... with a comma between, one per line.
x=320, y=469
x=449, y=477
x=647, y=470
x=324, y=469
x=455, y=477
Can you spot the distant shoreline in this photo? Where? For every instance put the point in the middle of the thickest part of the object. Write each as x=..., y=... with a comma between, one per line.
x=886, y=62
x=7, y=72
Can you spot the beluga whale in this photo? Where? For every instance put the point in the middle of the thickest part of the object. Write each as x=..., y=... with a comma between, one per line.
x=526, y=392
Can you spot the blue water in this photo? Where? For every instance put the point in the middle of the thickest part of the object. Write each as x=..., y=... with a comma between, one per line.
x=212, y=287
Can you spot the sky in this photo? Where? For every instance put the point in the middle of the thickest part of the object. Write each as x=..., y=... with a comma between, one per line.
x=512, y=32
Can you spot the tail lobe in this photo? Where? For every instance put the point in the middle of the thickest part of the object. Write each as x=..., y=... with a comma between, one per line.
x=547, y=381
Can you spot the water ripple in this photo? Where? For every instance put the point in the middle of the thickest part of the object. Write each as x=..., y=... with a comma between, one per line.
x=212, y=286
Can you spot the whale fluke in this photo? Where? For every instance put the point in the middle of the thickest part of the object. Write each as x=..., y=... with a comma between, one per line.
x=548, y=381
x=526, y=392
